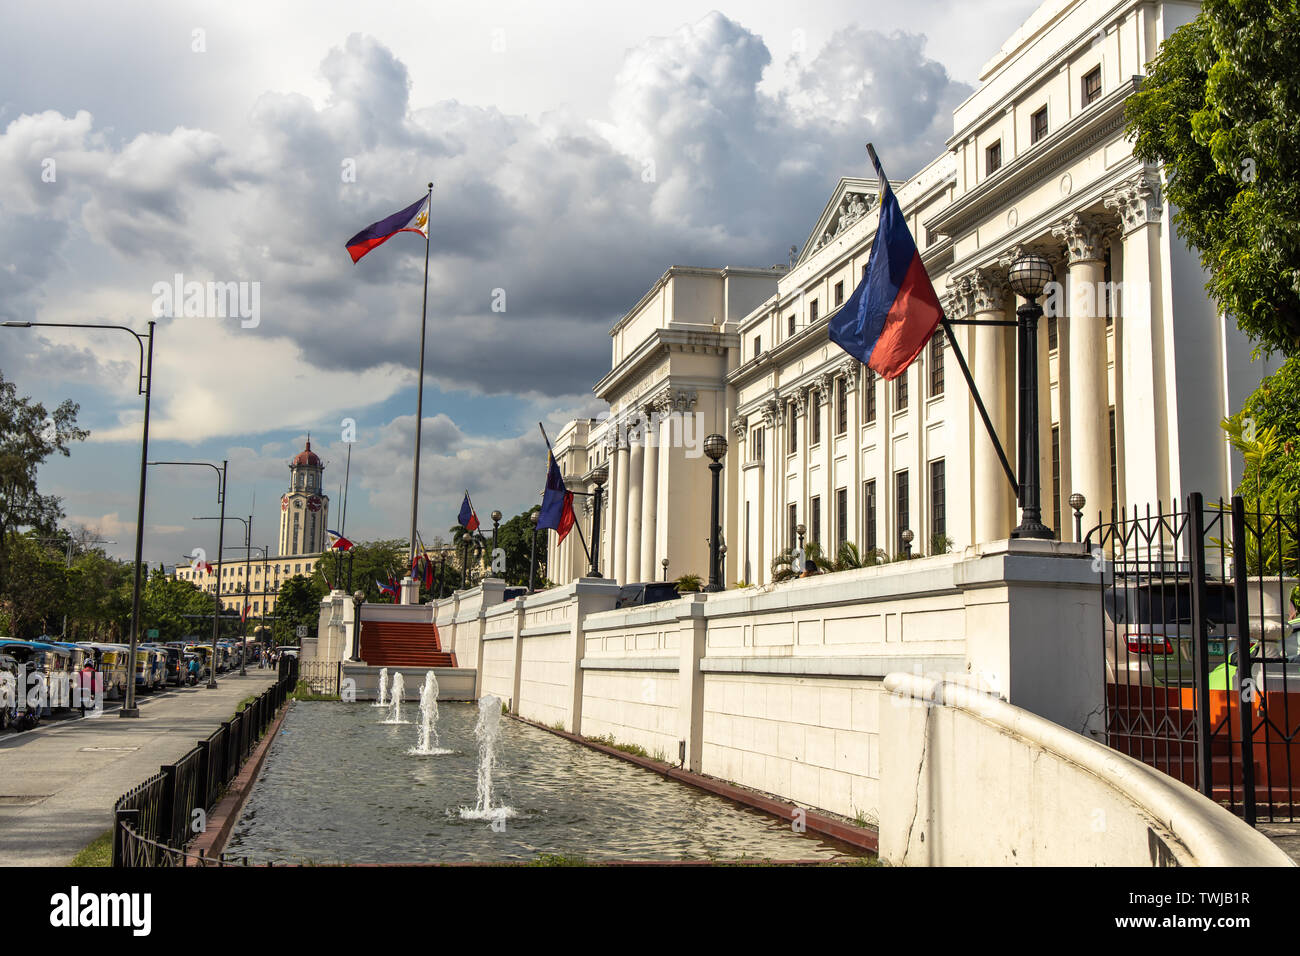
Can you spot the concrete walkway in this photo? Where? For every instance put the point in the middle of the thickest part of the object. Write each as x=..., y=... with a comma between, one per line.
x=58, y=783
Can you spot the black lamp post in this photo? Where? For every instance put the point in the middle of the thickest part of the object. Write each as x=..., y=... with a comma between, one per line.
x=145, y=388
x=1077, y=501
x=715, y=446
x=800, y=530
x=598, y=478
x=907, y=537
x=532, y=559
x=496, y=523
x=1028, y=278
x=664, y=562
x=358, y=598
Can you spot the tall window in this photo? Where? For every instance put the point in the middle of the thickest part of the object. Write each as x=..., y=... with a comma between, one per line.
x=936, y=364
x=758, y=345
x=1092, y=87
x=1114, y=467
x=869, y=391
x=815, y=417
x=900, y=393
x=902, y=508
x=789, y=319
x=869, y=515
x=815, y=526
x=1053, y=333
x=812, y=312
x=841, y=517
x=1106, y=279
x=938, y=500
x=792, y=515
x=792, y=428
x=756, y=443
x=1056, y=480
x=1038, y=125
x=993, y=158
x=839, y=293
x=841, y=406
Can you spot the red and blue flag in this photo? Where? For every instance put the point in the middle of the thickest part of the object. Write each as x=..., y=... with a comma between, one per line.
x=338, y=541
x=892, y=313
x=557, y=501
x=467, y=518
x=414, y=218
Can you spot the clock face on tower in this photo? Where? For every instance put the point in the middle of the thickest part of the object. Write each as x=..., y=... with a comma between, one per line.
x=313, y=503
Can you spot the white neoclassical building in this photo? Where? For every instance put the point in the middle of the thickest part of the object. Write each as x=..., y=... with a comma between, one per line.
x=1136, y=366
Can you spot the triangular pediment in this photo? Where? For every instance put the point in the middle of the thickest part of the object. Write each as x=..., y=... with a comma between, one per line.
x=852, y=200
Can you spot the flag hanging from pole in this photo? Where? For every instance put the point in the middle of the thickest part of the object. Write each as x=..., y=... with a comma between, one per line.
x=557, y=501
x=338, y=541
x=467, y=518
x=414, y=218
x=893, y=312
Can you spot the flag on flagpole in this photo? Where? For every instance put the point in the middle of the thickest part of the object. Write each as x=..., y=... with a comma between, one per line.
x=338, y=541
x=557, y=501
x=243, y=613
x=414, y=218
x=385, y=589
x=467, y=518
x=893, y=312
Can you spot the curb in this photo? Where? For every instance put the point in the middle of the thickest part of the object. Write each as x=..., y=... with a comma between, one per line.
x=221, y=821
x=861, y=837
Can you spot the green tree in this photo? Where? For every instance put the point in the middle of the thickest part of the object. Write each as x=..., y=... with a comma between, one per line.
x=172, y=607
x=38, y=583
x=297, y=603
x=28, y=436
x=515, y=538
x=1220, y=109
x=370, y=560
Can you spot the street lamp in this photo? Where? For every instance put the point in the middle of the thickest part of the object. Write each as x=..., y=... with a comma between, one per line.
x=248, y=558
x=145, y=388
x=715, y=446
x=358, y=598
x=532, y=560
x=1077, y=501
x=221, y=541
x=800, y=530
x=1028, y=278
x=664, y=562
x=496, y=523
x=907, y=537
x=598, y=478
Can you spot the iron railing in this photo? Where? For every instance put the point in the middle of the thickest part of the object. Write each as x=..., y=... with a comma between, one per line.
x=155, y=821
x=1184, y=692
x=323, y=677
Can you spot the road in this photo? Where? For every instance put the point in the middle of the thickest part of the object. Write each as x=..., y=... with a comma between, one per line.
x=58, y=783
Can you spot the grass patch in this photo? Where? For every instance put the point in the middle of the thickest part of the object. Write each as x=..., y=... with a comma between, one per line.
x=245, y=703
x=304, y=692
x=632, y=749
x=98, y=852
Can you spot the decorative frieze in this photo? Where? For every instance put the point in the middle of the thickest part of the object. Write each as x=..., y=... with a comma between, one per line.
x=1137, y=201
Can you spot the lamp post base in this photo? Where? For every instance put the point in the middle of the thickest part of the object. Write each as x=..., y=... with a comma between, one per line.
x=1032, y=528
x=129, y=712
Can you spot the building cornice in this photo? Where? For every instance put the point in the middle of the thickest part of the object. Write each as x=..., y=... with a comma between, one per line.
x=725, y=272
x=660, y=343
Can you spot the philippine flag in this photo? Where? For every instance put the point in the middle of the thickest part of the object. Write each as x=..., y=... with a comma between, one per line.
x=557, y=501
x=338, y=541
x=893, y=312
x=414, y=218
x=467, y=518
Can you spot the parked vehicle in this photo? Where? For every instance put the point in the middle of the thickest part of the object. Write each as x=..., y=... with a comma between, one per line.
x=110, y=662
x=193, y=674
x=647, y=592
x=171, y=664
x=8, y=690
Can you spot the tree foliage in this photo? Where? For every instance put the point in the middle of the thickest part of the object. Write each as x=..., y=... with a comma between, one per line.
x=1220, y=109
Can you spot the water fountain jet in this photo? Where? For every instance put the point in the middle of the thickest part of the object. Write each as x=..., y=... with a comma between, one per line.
x=487, y=731
x=382, y=699
x=395, y=708
x=428, y=745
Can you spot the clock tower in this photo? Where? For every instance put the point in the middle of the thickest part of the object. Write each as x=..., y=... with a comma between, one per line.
x=304, y=510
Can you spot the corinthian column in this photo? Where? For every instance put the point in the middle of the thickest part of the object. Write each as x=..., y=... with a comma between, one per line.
x=650, y=495
x=1141, y=360
x=1086, y=332
x=993, y=499
x=618, y=540
x=635, y=475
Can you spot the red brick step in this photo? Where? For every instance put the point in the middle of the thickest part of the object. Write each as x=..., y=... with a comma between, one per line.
x=403, y=644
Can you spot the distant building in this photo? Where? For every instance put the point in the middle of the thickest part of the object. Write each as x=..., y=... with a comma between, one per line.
x=304, y=513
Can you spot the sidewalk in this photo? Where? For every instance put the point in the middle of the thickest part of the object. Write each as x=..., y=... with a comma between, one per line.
x=58, y=783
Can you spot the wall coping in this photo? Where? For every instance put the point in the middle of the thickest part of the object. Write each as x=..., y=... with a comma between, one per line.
x=828, y=666
x=631, y=664
x=1210, y=835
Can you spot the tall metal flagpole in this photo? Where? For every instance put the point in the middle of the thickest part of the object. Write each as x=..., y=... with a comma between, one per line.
x=419, y=401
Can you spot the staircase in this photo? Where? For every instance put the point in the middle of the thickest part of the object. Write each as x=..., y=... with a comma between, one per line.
x=402, y=644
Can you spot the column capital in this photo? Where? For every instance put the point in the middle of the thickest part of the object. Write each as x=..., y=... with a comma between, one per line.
x=801, y=399
x=1083, y=235
x=738, y=426
x=771, y=412
x=851, y=369
x=827, y=383
x=955, y=303
x=987, y=289
x=1137, y=201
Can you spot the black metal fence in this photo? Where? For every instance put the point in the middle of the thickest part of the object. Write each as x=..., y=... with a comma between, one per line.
x=1184, y=692
x=153, y=822
x=323, y=677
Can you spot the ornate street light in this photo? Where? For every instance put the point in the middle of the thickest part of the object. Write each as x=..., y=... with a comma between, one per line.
x=1077, y=501
x=664, y=562
x=800, y=530
x=1028, y=278
x=496, y=522
x=907, y=537
x=715, y=446
x=532, y=560
x=358, y=598
x=599, y=476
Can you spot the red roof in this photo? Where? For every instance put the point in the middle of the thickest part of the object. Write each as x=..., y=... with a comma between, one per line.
x=306, y=457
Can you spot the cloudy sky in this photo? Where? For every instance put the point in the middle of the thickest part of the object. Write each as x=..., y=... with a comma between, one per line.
x=578, y=149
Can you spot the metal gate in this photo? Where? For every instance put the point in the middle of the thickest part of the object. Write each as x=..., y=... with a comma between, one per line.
x=1184, y=693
